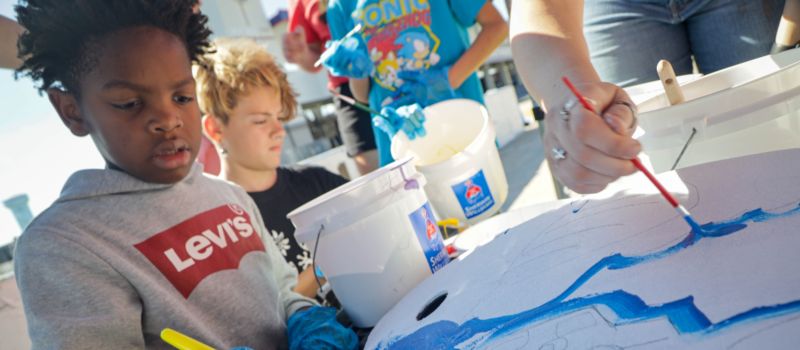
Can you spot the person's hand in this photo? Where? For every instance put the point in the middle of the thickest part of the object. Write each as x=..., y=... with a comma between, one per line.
x=409, y=119
x=425, y=86
x=348, y=57
x=295, y=48
x=317, y=328
x=588, y=151
x=307, y=284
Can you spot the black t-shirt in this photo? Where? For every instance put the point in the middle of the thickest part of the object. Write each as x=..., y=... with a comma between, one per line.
x=294, y=187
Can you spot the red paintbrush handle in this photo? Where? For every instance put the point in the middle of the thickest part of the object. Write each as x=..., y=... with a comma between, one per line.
x=635, y=161
x=667, y=195
x=578, y=95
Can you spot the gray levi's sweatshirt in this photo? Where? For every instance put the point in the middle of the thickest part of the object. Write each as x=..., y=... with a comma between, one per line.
x=115, y=260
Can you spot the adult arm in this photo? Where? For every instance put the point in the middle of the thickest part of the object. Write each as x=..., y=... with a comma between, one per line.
x=547, y=43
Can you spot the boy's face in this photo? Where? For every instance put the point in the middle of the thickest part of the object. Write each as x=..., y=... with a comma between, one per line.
x=138, y=104
x=253, y=136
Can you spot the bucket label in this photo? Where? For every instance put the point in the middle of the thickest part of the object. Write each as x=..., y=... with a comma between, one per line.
x=474, y=196
x=424, y=224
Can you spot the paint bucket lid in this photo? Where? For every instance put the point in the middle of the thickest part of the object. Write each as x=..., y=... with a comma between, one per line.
x=744, y=109
x=352, y=201
x=736, y=97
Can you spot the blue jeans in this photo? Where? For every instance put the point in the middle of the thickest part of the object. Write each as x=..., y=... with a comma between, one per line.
x=627, y=38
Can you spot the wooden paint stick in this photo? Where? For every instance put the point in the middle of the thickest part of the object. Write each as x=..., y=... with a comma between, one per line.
x=670, y=82
x=788, y=34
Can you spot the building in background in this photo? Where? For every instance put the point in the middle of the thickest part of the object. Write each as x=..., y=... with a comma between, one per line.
x=19, y=207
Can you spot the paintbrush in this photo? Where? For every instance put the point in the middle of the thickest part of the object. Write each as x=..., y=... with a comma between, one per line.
x=638, y=164
x=329, y=51
x=351, y=101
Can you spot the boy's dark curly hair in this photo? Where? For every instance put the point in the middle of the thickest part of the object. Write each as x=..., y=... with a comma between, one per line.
x=60, y=41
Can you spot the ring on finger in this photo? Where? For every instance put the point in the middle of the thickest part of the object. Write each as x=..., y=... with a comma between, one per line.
x=559, y=153
x=634, y=112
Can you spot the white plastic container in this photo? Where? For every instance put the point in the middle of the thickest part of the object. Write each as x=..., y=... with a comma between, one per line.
x=459, y=158
x=374, y=238
x=750, y=108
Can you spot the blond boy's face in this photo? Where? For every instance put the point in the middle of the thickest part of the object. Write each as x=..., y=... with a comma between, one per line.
x=253, y=136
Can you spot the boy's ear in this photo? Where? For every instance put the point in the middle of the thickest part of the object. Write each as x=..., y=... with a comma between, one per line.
x=69, y=111
x=213, y=128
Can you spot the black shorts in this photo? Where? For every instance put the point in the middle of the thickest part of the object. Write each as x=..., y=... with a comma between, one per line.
x=355, y=125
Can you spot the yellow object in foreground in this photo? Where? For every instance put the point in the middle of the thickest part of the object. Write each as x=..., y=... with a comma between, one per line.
x=181, y=341
x=450, y=226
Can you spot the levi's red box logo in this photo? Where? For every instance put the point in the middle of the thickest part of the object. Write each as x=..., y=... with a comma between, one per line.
x=212, y=241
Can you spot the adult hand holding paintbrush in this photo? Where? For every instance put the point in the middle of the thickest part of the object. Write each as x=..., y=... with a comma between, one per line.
x=588, y=149
x=547, y=39
x=635, y=161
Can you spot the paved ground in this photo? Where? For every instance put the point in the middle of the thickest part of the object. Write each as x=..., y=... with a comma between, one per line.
x=529, y=180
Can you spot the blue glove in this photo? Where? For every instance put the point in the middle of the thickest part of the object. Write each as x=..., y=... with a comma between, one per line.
x=317, y=328
x=426, y=86
x=348, y=57
x=409, y=119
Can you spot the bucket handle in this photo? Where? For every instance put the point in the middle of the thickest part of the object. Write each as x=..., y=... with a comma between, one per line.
x=314, y=256
x=409, y=183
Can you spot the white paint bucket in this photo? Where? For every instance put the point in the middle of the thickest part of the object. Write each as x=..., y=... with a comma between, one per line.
x=750, y=108
x=374, y=238
x=459, y=158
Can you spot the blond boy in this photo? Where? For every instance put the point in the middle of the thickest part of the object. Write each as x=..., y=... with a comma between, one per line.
x=247, y=98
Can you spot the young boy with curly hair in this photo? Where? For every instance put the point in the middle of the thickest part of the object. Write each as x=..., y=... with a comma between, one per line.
x=246, y=99
x=149, y=242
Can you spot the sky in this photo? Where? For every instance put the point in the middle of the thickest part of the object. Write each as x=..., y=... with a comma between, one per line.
x=37, y=153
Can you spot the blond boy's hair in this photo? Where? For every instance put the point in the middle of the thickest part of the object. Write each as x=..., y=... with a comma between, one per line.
x=233, y=69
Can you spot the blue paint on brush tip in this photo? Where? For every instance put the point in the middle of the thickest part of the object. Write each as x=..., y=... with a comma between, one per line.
x=695, y=226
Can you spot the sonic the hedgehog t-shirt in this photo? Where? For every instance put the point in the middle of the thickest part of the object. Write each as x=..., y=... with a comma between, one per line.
x=407, y=35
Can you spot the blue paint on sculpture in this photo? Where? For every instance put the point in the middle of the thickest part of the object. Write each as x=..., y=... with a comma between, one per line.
x=683, y=314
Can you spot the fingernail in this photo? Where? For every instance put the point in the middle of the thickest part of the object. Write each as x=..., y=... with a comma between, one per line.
x=612, y=122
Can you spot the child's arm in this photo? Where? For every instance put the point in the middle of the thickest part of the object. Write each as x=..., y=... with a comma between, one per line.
x=307, y=283
x=340, y=23
x=73, y=299
x=494, y=30
x=360, y=89
x=285, y=276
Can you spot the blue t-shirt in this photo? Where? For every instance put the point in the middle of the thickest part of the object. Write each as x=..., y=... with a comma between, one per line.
x=407, y=35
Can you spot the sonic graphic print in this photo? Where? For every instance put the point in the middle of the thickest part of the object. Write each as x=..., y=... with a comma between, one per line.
x=399, y=37
x=405, y=36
